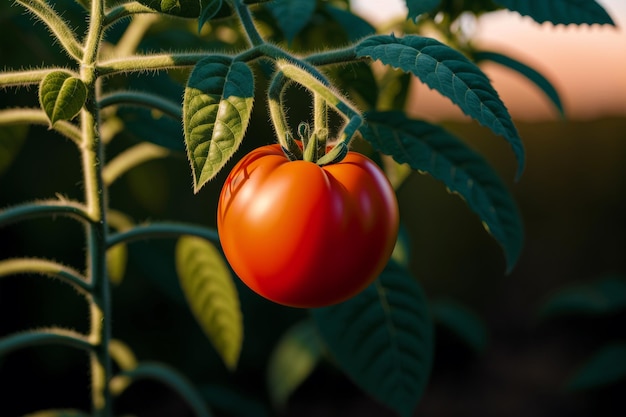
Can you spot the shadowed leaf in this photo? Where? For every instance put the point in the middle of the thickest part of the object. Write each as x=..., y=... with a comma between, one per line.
x=453, y=75
x=431, y=149
x=211, y=294
x=382, y=338
x=602, y=297
x=531, y=74
x=291, y=15
x=564, y=12
x=417, y=7
x=462, y=322
x=294, y=358
x=606, y=366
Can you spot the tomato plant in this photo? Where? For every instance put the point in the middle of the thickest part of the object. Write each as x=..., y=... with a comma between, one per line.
x=304, y=235
x=310, y=226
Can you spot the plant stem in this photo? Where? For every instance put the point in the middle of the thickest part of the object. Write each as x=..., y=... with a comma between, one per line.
x=95, y=195
x=243, y=12
x=38, y=116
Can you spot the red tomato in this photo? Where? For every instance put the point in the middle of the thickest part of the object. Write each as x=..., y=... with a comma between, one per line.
x=303, y=235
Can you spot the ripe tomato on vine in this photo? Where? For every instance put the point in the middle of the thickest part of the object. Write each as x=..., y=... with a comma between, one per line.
x=303, y=235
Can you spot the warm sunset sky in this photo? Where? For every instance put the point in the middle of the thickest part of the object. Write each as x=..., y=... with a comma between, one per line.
x=586, y=64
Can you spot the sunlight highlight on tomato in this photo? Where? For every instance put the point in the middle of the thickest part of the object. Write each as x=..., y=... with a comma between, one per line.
x=302, y=235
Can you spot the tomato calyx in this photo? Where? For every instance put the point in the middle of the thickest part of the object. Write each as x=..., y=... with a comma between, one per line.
x=312, y=147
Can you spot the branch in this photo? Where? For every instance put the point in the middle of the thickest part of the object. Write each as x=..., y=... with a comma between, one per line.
x=151, y=101
x=26, y=77
x=130, y=158
x=47, y=336
x=44, y=208
x=38, y=116
x=147, y=63
x=47, y=268
x=125, y=10
x=58, y=26
x=162, y=230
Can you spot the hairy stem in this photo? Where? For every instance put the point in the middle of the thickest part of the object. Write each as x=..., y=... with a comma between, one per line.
x=162, y=230
x=245, y=18
x=125, y=10
x=53, y=335
x=47, y=268
x=26, y=77
x=95, y=195
x=38, y=116
x=151, y=101
x=130, y=158
x=56, y=24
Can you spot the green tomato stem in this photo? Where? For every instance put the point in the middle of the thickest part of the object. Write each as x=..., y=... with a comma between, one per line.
x=162, y=230
x=130, y=158
x=47, y=268
x=38, y=116
x=254, y=38
x=45, y=208
x=53, y=335
x=57, y=25
x=125, y=10
x=151, y=101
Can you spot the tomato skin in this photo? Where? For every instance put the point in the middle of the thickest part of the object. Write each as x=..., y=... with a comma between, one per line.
x=303, y=235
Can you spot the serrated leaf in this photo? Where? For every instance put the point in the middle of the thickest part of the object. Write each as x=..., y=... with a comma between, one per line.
x=208, y=12
x=180, y=8
x=117, y=258
x=606, y=366
x=211, y=294
x=355, y=26
x=564, y=12
x=12, y=137
x=602, y=297
x=530, y=73
x=453, y=75
x=293, y=359
x=382, y=338
x=216, y=110
x=58, y=413
x=418, y=7
x=431, y=149
x=292, y=15
x=61, y=96
x=462, y=322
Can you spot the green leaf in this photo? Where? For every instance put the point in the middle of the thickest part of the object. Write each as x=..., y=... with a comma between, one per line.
x=564, y=12
x=292, y=15
x=431, y=149
x=173, y=379
x=453, y=75
x=606, y=366
x=61, y=96
x=12, y=137
x=462, y=322
x=293, y=359
x=58, y=413
x=602, y=297
x=208, y=12
x=180, y=8
x=357, y=79
x=418, y=7
x=216, y=110
x=530, y=73
x=383, y=338
x=355, y=26
x=211, y=294
x=117, y=258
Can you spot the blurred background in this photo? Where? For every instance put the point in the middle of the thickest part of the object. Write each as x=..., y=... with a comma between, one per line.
x=572, y=197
